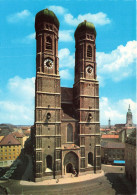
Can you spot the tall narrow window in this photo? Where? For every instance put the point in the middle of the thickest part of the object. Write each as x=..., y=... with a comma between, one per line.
x=89, y=51
x=90, y=158
x=69, y=133
x=48, y=43
x=49, y=162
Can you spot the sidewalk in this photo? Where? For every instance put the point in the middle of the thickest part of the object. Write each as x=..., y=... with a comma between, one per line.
x=65, y=180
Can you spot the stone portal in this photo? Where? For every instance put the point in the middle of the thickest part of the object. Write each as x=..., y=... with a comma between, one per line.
x=71, y=162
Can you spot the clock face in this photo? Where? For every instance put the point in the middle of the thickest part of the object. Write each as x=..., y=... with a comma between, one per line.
x=48, y=63
x=89, y=69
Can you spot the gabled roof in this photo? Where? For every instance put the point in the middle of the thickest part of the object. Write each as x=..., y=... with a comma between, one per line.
x=9, y=140
x=17, y=135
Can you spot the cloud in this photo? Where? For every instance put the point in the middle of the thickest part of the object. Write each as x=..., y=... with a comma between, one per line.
x=65, y=35
x=18, y=105
x=65, y=74
x=25, y=40
x=23, y=88
x=66, y=59
x=28, y=39
x=101, y=81
x=57, y=9
x=119, y=64
x=98, y=19
x=116, y=111
x=19, y=16
x=14, y=113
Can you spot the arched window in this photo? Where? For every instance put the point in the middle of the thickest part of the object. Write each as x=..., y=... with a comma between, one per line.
x=48, y=43
x=49, y=162
x=69, y=133
x=89, y=51
x=90, y=158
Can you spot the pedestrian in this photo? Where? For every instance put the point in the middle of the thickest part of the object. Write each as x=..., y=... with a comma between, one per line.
x=57, y=181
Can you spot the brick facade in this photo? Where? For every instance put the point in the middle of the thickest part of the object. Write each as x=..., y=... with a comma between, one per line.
x=66, y=134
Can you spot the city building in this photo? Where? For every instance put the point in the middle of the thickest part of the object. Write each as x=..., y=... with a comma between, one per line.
x=109, y=138
x=125, y=132
x=109, y=123
x=111, y=151
x=20, y=137
x=10, y=149
x=66, y=133
x=130, y=157
x=104, y=131
x=129, y=122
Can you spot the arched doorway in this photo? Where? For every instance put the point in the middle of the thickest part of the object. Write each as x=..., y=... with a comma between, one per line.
x=69, y=168
x=71, y=162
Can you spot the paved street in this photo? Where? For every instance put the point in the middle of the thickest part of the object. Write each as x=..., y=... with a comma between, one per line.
x=113, y=182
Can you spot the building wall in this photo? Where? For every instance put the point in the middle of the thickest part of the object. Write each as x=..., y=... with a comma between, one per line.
x=130, y=161
x=110, y=139
x=52, y=150
x=108, y=155
x=8, y=154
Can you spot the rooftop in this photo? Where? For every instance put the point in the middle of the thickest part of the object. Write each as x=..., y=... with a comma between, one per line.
x=9, y=140
x=110, y=136
x=112, y=145
x=17, y=134
x=48, y=16
x=85, y=26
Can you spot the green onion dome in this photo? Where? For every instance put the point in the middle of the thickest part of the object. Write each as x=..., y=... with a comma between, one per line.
x=47, y=16
x=85, y=26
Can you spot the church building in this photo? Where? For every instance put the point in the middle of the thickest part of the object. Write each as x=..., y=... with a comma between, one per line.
x=129, y=122
x=66, y=133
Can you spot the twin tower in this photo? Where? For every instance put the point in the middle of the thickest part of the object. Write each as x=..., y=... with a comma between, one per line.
x=66, y=134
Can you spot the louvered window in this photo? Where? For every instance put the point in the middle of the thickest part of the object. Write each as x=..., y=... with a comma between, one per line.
x=48, y=43
x=89, y=51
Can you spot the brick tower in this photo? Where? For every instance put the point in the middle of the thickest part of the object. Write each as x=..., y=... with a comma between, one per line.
x=129, y=121
x=66, y=133
x=47, y=98
x=86, y=97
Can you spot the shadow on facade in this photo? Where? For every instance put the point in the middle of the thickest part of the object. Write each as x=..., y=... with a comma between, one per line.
x=120, y=183
x=21, y=168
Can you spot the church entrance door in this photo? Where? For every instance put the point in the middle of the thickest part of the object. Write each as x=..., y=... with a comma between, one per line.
x=69, y=168
x=71, y=163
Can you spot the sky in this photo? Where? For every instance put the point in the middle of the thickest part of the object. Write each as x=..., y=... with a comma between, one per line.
x=116, y=47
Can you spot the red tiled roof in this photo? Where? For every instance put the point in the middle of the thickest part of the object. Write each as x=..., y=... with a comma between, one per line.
x=17, y=134
x=9, y=140
x=110, y=136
